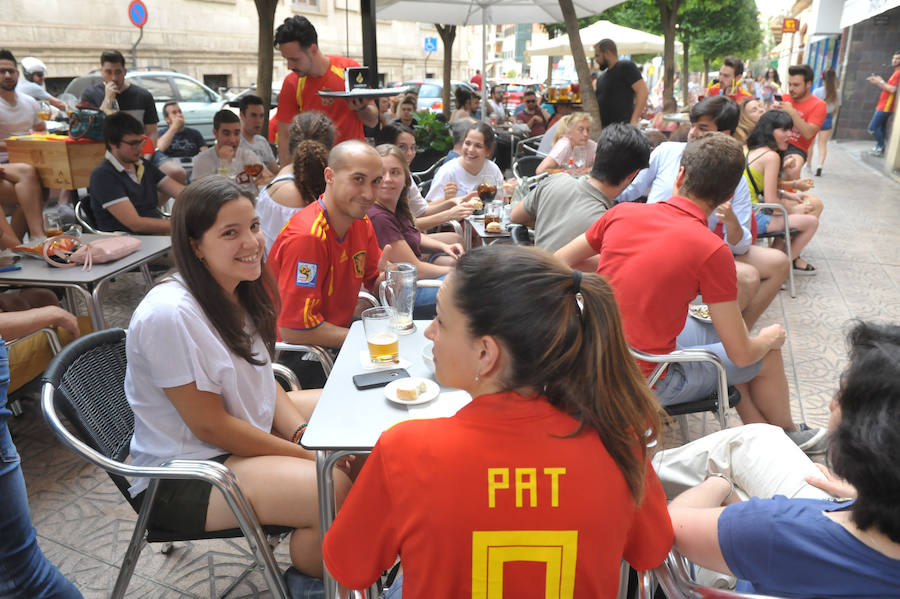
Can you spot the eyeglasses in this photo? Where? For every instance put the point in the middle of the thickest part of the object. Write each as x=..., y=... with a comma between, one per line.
x=531, y=101
x=135, y=142
x=408, y=148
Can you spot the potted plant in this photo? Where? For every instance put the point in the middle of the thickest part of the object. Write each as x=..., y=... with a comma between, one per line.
x=433, y=138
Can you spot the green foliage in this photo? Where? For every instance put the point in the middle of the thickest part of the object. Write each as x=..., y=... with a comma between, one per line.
x=432, y=133
x=732, y=28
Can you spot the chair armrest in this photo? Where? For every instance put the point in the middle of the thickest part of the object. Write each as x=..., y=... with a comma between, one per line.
x=431, y=283
x=322, y=355
x=685, y=355
x=52, y=340
x=365, y=295
x=287, y=375
x=674, y=578
x=773, y=206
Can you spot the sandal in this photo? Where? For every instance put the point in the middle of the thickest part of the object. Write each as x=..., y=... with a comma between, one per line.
x=807, y=270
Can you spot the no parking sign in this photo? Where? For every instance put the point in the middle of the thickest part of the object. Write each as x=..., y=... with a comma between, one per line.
x=137, y=12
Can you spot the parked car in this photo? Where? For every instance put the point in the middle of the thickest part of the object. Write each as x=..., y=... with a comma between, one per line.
x=430, y=91
x=198, y=102
x=515, y=88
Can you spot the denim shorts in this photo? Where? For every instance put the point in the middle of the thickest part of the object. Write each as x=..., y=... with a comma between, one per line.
x=828, y=124
x=762, y=221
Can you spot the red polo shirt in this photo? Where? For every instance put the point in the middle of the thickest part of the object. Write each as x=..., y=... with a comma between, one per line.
x=657, y=258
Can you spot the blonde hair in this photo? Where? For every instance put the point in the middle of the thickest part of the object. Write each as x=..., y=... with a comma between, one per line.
x=745, y=125
x=568, y=121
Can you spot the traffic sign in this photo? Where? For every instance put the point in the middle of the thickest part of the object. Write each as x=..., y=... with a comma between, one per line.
x=137, y=12
x=431, y=44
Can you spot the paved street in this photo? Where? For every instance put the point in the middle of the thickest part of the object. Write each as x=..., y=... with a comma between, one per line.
x=84, y=524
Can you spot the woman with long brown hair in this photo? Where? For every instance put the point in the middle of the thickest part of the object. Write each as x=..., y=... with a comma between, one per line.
x=547, y=464
x=828, y=92
x=199, y=379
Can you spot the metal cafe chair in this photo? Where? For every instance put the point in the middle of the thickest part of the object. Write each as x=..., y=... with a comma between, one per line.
x=85, y=383
x=784, y=234
x=674, y=578
x=717, y=403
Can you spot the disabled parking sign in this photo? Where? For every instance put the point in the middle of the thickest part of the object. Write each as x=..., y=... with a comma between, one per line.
x=431, y=44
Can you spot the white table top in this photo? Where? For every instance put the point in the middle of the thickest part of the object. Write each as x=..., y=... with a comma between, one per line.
x=36, y=270
x=347, y=418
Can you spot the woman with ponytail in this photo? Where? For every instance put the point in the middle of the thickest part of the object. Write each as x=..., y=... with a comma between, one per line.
x=543, y=479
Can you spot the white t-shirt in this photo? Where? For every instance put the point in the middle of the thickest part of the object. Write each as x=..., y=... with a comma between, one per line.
x=19, y=119
x=260, y=146
x=453, y=170
x=272, y=215
x=207, y=163
x=417, y=204
x=563, y=150
x=170, y=343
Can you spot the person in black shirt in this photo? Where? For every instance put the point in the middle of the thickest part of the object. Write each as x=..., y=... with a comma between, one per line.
x=133, y=99
x=621, y=91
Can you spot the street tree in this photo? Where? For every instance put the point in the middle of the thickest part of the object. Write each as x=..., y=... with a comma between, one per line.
x=741, y=34
x=448, y=34
x=265, y=11
x=588, y=100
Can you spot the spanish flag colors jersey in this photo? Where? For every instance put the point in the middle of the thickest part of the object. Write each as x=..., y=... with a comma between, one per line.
x=299, y=94
x=496, y=501
x=738, y=93
x=319, y=274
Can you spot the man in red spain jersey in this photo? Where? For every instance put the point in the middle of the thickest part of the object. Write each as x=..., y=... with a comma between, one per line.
x=808, y=113
x=885, y=106
x=729, y=83
x=328, y=251
x=312, y=72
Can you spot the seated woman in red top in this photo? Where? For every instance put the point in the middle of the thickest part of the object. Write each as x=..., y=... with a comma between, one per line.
x=393, y=223
x=542, y=481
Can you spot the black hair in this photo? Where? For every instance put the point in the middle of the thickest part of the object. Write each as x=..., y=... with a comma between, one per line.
x=6, y=54
x=390, y=132
x=863, y=449
x=606, y=44
x=408, y=99
x=462, y=96
x=723, y=110
x=577, y=357
x=801, y=69
x=713, y=165
x=250, y=100
x=486, y=131
x=166, y=107
x=621, y=150
x=119, y=124
x=113, y=56
x=735, y=63
x=194, y=213
x=763, y=133
x=775, y=76
x=224, y=116
x=296, y=29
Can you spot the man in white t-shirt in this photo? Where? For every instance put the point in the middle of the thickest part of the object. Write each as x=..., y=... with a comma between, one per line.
x=253, y=113
x=228, y=158
x=19, y=182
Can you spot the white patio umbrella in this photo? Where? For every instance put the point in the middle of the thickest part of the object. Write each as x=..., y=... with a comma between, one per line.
x=485, y=12
x=628, y=41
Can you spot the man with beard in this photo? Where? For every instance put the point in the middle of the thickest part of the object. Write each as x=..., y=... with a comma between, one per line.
x=621, y=91
x=312, y=72
x=229, y=158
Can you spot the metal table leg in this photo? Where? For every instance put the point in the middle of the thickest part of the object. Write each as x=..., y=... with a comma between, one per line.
x=325, y=463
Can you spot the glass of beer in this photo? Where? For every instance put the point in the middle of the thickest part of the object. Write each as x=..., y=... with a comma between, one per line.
x=253, y=170
x=44, y=111
x=381, y=337
x=492, y=213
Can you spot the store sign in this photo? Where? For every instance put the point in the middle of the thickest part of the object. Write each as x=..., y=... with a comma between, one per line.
x=790, y=26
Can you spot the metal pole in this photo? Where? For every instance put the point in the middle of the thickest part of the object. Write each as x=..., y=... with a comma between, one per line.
x=369, y=41
x=483, y=63
x=134, y=49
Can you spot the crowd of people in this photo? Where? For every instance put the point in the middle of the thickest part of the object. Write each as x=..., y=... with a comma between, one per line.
x=276, y=245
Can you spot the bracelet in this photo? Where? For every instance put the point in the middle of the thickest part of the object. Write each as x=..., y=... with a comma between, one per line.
x=730, y=483
x=298, y=434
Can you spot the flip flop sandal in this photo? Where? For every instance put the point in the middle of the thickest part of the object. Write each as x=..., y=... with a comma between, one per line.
x=807, y=270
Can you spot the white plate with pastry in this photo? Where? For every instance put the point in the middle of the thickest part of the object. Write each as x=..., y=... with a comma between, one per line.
x=412, y=391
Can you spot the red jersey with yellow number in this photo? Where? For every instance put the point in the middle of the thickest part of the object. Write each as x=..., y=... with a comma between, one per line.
x=319, y=274
x=738, y=93
x=887, y=100
x=813, y=111
x=301, y=93
x=496, y=501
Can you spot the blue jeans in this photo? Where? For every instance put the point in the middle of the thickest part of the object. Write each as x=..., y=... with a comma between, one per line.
x=24, y=571
x=877, y=127
x=426, y=301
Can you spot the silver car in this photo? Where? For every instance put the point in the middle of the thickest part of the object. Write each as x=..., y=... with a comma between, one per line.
x=198, y=102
